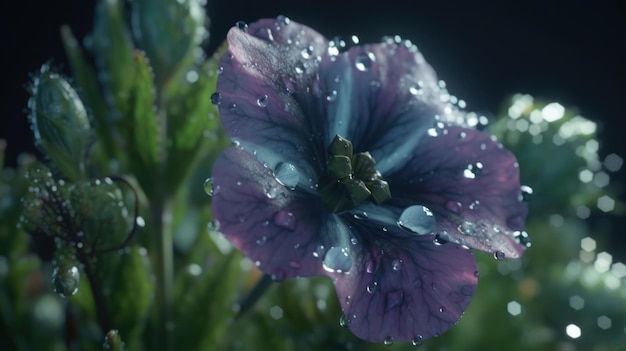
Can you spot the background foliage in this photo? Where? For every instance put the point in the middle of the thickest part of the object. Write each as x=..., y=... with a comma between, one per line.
x=127, y=143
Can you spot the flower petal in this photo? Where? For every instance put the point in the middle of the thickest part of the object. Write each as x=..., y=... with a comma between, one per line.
x=277, y=228
x=383, y=97
x=263, y=92
x=471, y=184
x=406, y=288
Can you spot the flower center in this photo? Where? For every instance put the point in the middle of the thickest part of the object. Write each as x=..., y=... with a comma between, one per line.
x=351, y=178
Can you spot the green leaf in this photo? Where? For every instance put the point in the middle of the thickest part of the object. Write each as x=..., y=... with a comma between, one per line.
x=89, y=90
x=60, y=123
x=114, y=51
x=168, y=31
x=145, y=129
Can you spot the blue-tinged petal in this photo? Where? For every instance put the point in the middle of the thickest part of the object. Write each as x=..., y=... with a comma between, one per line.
x=404, y=288
x=264, y=92
x=471, y=185
x=383, y=97
x=277, y=228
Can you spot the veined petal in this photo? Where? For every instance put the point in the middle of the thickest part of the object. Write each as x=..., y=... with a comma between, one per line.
x=277, y=228
x=471, y=184
x=405, y=288
x=383, y=97
x=264, y=86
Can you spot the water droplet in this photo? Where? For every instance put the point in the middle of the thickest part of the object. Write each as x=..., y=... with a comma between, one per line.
x=287, y=175
x=332, y=96
x=388, y=340
x=319, y=250
x=285, y=219
x=364, y=62
x=439, y=240
x=416, y=89
x=371, y=287
x=499, y=255
x=337, y=259
x=417, y=340
x=354, y=241
x=522, y=238
x=300, y=68
x=307, y=52
x=475, y=205
x=360, y=215
x=454, y=206
x=343, y=321
x=208, y=187
x=473, y=170
x=442, y=309
x=262, y=100
x=283, y=20
x=216, y=98
x=262, y=240
x=396, y=264
x=371, y=266
x=242, y=25
x=417, y=219
x=348, y=299
x=467, y=228
x=526, y=193
x=65, y=280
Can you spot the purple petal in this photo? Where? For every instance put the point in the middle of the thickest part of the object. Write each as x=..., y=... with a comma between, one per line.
x=471, y=184
x=263, y=92
x=406, y=288
x=382, y=97
x=275, y=227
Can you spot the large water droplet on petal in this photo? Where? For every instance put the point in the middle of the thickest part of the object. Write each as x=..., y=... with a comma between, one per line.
x=287, y=175
x=262, y=100
x=285, y=219
x=499, y=255
x=388, y=340
x=338, y=260
x=417, y=340
x=417, y=219
x=65, y=280
x=372, y=287
x=216, y=98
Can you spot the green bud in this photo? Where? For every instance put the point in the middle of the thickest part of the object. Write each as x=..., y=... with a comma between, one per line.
x=340, y=146
x=340, y=167
x=380, y=190
x=358, y=191
x=59, y=122
x=364, y=164
x=113, y=341
x=168, y=31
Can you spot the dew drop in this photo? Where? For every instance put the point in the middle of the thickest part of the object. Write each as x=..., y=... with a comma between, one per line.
x=343, y=321
x=364, y=62
x=475, y=205
x=216, y=98
x=439, y=240
x=467, y=228
x=262, y=240
x=262, y=100
x=332, y=96
x=526, y=193
x=287, y=175
x=372, y=287
x=337, y=259
x=360, y=215
x=417, y=340
x=319, y=250
x=348, y=299
x=307, y=52
x=499, y=255
x=417, y=219
x=208, y=187
x=522, y=238
x=65, y=280
x=442, y=309
x=396, y=264
x=242, y=25
x=416, y=89
x=473, y=170
x=388, y=340
x=285, y=219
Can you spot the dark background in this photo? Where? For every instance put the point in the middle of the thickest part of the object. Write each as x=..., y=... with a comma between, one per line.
x=570, y=52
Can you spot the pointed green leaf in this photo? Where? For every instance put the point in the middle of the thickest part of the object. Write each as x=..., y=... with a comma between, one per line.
x=85, y=77
x=168, y=31
x=60, y=123
x=114, y=50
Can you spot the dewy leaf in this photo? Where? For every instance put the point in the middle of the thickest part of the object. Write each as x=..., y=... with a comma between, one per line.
x=60, y=123
x=192, y=119
x=131, y=291
x=113, y=50
x=168, y=31
x=144, y=128
x=89, y=91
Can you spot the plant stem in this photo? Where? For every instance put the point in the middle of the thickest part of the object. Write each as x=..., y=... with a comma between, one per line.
x=164, y=267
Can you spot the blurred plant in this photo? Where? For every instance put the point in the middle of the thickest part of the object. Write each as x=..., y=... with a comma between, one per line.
x=117, y=197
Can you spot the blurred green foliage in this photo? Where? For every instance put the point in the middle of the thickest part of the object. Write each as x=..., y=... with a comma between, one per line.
x=128, y=143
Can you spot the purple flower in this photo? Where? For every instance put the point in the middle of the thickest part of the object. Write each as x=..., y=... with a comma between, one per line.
x=355, y=163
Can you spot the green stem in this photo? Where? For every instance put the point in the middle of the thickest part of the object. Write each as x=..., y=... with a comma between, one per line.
x=164, y=267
